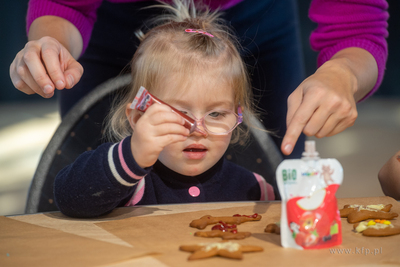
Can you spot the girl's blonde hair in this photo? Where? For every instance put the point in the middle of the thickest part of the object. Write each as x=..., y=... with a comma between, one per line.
x=167, y=49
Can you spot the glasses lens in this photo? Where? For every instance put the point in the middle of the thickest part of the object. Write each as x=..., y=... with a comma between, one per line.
x=220, y=121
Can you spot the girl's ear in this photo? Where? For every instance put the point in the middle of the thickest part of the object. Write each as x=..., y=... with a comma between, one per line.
x=132, y=115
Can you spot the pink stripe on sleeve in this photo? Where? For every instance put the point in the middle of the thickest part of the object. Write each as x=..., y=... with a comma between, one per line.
x=267, y=191
x=124, y=165
x=137, y=195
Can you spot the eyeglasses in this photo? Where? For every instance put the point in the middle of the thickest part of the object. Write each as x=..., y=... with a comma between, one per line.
x=219, y=121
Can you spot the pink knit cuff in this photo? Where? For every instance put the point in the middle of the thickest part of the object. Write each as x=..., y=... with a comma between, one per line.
x=351, y=23
x=84, y=23
x=377, y=51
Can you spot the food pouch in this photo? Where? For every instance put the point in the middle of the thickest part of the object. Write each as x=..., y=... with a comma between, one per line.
x=310, y=218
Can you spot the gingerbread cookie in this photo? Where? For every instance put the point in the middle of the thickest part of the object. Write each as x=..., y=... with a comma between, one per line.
x=235, y=219
x=347, y=209
x=229, y=235
x=225, y=231
x=273, y=228
x=224, y=249
x=377, y=228
x=361, y=215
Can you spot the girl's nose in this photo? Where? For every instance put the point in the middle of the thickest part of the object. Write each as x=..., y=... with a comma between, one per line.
x=199, y=131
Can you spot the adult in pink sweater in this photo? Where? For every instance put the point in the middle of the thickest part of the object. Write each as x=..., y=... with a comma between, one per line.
x=350, y=38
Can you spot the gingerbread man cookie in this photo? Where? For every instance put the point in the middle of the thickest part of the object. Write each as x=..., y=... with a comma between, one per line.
x=224, y=249
x=235, y=219
x=377, y=228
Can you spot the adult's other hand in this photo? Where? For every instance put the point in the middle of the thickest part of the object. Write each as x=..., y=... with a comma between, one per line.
x=44, y=65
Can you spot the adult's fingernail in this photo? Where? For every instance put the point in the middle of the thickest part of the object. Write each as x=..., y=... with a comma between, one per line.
x=288, y=148
x=48, y=89
x=60, y=84
x=70, y=80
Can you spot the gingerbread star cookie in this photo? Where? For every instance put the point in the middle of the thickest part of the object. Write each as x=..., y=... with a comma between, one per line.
x=224, y=249
x=235, y=219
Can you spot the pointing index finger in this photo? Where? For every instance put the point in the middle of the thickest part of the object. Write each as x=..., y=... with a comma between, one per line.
x=297, y=124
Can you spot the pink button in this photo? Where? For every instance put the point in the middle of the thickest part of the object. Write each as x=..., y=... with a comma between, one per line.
x=194, y=191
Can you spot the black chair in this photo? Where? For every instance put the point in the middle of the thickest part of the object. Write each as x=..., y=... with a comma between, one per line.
x=82, y=129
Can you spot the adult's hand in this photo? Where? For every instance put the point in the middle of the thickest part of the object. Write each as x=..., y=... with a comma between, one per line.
x=48, y=60
x=43, y=65
x=325, y=103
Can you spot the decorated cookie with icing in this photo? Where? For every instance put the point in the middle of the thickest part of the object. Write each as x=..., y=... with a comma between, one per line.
x=376, y=228
x=225, y=231
x=347, y=209
x=363, y=215
x=228, y=249
x=235, y=219
x=358, y=213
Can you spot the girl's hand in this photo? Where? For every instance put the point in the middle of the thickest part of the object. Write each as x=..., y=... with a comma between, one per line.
x=154, y=130
x=323, y=105
x=44, y=65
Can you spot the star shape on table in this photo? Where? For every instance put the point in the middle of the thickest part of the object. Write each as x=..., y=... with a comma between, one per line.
x=229, y=249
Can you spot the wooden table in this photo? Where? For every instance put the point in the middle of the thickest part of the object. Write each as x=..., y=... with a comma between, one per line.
x=151, y=236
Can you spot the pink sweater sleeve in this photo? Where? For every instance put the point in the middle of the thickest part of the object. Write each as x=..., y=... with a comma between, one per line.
x=81, y=13
x=351, y=23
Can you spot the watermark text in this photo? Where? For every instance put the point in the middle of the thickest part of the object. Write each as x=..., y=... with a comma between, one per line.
x=356, y=251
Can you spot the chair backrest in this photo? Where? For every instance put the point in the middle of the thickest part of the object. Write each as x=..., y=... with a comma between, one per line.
x=82, y=129
x=79, y=131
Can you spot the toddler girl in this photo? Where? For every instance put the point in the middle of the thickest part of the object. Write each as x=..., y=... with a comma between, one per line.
x=191, y=62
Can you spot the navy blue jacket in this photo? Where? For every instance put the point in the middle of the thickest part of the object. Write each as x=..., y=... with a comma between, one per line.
x=108, y=177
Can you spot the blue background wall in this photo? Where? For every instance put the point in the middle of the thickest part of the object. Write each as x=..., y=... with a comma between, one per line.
x=13, y=38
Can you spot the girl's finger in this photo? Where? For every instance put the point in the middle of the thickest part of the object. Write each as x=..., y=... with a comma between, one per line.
x=170, y=128
x=160, y=114
x=172, y=138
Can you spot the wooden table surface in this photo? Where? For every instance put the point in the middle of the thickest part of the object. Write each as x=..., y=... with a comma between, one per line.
x=151, y=236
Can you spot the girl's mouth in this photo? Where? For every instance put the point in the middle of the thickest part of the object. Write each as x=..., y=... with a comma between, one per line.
x=195, y=152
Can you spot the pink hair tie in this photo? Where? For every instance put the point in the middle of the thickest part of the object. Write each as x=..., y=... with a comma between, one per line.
x=199, y=31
